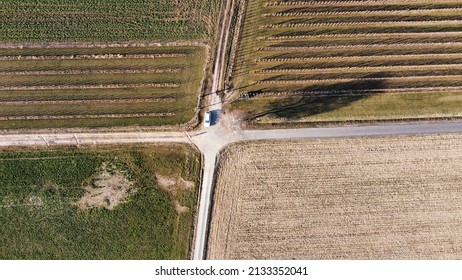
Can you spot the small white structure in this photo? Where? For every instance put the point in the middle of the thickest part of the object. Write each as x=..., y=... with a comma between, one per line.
x=207, y=119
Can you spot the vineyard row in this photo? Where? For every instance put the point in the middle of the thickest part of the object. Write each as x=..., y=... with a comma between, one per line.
x=102, y=86
x=349, y=3
x=359, y=69
x=407, y=90
x=364, y=12
x=10, y=118
x=365, y=57
x=362, y=35
x=90, y=101
x=87, y=72
x=398, y=45
x=85, y=57
x=308, y=81
x=363, y=23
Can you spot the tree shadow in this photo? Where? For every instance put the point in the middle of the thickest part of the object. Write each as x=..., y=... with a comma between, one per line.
x=215, y=116
x=320, y=98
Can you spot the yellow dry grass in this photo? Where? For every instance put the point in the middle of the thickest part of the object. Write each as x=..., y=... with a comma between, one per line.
x=357, y=198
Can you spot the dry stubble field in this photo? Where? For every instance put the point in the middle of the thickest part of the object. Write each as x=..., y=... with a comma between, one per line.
x=360, y=198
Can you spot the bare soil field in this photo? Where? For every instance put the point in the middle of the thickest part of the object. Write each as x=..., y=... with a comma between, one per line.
x=355, y=198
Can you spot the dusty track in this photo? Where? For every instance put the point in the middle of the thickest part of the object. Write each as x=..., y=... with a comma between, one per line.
x=210, y=147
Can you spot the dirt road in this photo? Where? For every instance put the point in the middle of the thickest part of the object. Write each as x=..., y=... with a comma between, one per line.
x=208, y=143
x=90, y=138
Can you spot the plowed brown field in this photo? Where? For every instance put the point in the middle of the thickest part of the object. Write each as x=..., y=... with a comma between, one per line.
x=357, y=198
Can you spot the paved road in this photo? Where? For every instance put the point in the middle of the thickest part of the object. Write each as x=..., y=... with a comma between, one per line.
x=352, y=131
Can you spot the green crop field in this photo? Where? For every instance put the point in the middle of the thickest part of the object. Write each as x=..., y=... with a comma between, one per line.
x=107, y=203
x=306, y=62
x=99, y=87
x=108, y=20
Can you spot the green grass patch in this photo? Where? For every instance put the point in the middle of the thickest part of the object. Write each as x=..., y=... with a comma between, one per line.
x=107, y=21
x=354, y=108
x=40, y=219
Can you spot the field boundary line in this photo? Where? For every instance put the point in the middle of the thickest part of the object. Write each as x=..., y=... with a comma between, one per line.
x=73, y=17
x=9, y=118
x=365, y=12
x=359, y=35
x=84, y=45
x=302, y=81
x=363, y=23
x=366, y=57
x=90, y=101
x=358, y=68
x=337, y=3
x=36, y=158
x=347, y=92
x=398, y=45
x=91, y=56
x=87, y=72
x=102, y=86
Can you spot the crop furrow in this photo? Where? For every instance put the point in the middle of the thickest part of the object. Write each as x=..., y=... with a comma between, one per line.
x=417, y=11
x=102, y=56
x=278, y=49
x=88, y=72
x=102, y=86
x=363, y=23
x=10, y=118
x=345, y=80
x=359, y=69
x=351, y=3
x=366, y=57
x=90, y=101
x=406, y=90
x=362, y=35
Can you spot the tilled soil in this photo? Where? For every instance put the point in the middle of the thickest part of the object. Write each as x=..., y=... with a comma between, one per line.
x=357, y=198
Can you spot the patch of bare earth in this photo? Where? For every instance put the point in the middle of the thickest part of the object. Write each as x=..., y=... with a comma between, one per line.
x=173, y=185
x=34, y=200
x=110, y=188
x=360, y=198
